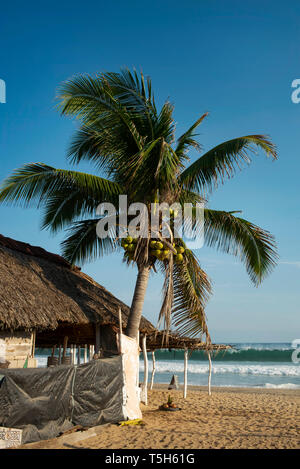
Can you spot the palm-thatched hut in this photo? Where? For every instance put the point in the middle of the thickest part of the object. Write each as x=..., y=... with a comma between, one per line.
x=46, y=302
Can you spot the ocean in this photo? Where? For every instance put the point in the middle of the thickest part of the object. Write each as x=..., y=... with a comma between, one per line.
x=254, y=365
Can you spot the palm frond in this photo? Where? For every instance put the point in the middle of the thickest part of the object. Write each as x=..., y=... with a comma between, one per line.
x=83, y=244
x=222, y=161
x=192, y=289
x=186, y=140
x=233, y=235
x=64, y=195
x=91, y=100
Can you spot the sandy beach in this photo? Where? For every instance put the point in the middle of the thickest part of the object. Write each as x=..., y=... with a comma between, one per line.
x=229, y=418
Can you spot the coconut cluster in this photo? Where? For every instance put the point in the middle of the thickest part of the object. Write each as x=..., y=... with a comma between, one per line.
x=161, y=252
x=156, y=249
x=129, y=246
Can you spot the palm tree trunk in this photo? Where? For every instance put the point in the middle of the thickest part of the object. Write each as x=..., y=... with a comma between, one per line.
x=137, y=302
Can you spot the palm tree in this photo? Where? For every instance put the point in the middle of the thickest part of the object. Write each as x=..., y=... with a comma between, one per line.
x=132, y=146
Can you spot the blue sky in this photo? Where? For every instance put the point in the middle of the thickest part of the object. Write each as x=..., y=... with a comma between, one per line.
x=236, y=60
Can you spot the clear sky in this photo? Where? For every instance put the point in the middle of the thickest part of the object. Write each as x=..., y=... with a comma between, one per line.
x=236, y=60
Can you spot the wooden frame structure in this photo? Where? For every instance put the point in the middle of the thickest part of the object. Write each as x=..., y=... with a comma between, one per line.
x=173, y=341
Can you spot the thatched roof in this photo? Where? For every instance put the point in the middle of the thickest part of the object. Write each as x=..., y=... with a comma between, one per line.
x=40, y=290
x=159, y=339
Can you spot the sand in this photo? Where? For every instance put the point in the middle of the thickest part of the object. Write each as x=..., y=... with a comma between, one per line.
x=229, y=418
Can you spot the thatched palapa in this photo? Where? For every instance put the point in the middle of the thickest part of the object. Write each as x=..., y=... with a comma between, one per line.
x=172, y=340
x=41, y=291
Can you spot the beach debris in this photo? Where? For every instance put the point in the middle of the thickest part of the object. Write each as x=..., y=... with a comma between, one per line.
x=169, y=405
x=10, y=437
x=132, y=422
x=76, y=428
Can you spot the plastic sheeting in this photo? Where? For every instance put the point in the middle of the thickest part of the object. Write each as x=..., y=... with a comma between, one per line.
x=44, y=402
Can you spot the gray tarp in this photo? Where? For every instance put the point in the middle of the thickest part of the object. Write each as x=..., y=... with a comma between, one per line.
x=46, y=401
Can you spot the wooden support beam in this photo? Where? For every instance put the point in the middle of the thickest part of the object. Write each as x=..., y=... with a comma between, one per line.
x=78, y=354
x=185, y=372
x=209, y=373
x=59, y=355
x=145, y=386
x=153, y=370
x=138, y=368
x=73, y=354
x=65, y=344
x=53, y=350
x=120, y=320
x=33, y=337
x=120, y=328
x=85, y=353
x=97, y=339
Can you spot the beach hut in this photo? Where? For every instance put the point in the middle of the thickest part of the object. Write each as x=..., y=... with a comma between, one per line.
x=47, y=303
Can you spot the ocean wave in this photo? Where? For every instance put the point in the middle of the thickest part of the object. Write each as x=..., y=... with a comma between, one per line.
x=268, y=370
x=282, y=386
x=277, y=353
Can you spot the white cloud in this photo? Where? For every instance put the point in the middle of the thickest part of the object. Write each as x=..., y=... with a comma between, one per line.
x=294, y=263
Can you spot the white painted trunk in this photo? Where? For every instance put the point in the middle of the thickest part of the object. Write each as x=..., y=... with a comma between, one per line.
x=185, y=373
x=153, y=370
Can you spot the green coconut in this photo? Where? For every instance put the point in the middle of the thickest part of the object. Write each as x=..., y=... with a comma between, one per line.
x=125, y=246
x=159, y=245
x=129, y=240
x=153, y=244
x=180, y=250
x=157, y=252
x=179, y=258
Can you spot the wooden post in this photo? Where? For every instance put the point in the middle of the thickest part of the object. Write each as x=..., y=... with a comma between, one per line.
x=153, y=370
x=120, y=320
x=185, y=372
x=209, y=373
x=73, y=354
x=85, y=353
x=145, y=370
x=33, y=336
x=97, y=341
x=138, y=358
x=78, y=354
x=59, y=355
x=65, y=344
x=120, y=327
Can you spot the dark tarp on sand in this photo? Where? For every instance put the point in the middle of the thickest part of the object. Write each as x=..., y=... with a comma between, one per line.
x=46, y=401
